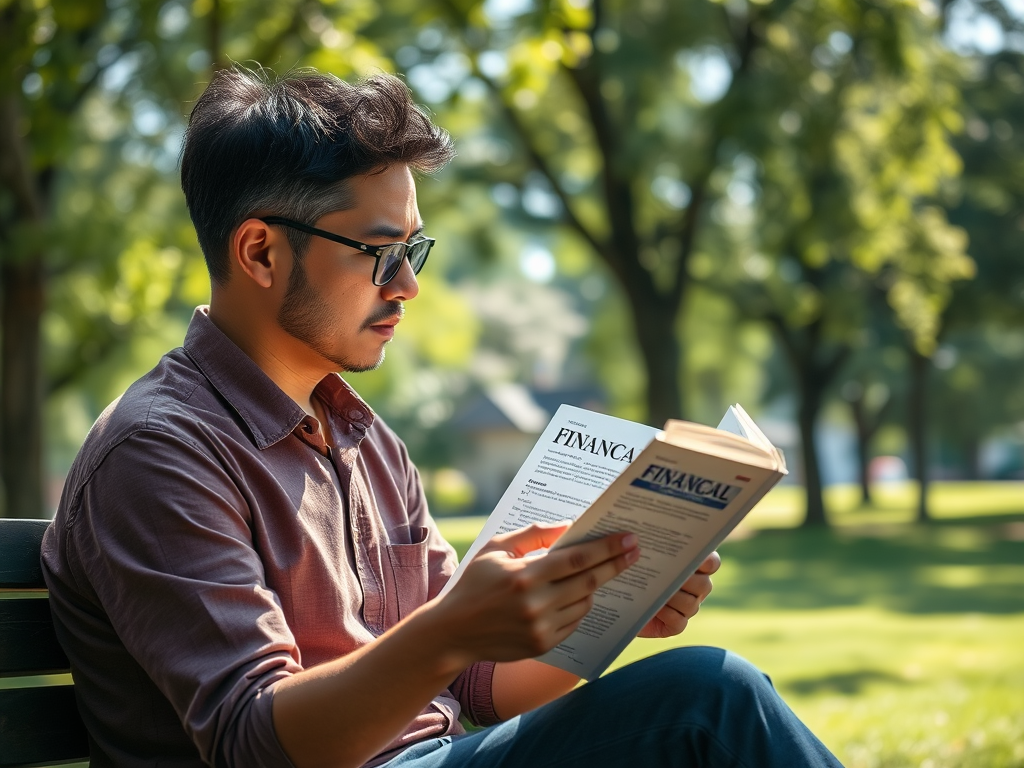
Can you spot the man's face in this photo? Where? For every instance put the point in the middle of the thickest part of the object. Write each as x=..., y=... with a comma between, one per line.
x=331, y=303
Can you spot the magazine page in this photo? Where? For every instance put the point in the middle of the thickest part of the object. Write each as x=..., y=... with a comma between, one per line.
x=681, y=504
x=738, y=421
x=577, y=456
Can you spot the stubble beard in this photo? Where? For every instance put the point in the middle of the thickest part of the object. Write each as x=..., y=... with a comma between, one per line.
x=308, y=317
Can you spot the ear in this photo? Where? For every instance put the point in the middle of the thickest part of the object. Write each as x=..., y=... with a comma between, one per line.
x=261, y=252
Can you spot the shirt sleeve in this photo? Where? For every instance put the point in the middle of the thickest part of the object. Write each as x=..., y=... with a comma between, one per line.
x=162, y=535
x=472, y=688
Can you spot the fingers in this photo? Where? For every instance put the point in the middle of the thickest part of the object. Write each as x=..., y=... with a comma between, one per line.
x=672, y=622
x=570, y=617
x=699, y=585
x=711, y=564
x=528, y=539
x=673, y=617
x=565, y=563
x=684, y=604
x=580, y=585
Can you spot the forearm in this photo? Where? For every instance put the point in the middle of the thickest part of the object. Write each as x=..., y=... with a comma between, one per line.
x=344, y=712
x=506, y=608
x=519, y=686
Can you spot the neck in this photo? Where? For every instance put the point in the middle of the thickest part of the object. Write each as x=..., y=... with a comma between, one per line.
x=289, y=363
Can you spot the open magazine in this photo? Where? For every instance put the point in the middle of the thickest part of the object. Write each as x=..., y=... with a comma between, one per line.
x=681, y=490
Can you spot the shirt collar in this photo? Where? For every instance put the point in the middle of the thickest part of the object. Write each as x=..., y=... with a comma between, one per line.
x=270, y=414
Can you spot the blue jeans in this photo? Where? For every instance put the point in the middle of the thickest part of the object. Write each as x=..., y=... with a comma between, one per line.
x=687, y=707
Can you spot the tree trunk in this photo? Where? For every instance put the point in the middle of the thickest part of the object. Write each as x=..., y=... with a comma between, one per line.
x=917, y=429
x=864, y=434
x=21, y=390
x=814, y=367
x=21, y=310
x=863, y=457
x=661, y=350
x=807, y=415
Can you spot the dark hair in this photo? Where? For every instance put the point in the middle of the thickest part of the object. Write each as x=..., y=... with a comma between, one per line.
x=258, y=145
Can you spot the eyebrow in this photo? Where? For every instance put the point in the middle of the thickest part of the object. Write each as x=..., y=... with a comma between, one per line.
x=387, y=230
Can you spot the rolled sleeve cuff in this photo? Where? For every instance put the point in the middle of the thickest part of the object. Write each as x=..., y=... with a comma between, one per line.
x=473, y=690
x=255, y=741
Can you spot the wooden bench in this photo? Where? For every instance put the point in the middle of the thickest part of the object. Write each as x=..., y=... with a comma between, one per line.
x=39, y=723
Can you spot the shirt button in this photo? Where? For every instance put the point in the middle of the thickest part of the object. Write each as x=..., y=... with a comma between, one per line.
x=355, y=415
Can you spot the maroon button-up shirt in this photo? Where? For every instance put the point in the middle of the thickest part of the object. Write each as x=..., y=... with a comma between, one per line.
x=209, y=544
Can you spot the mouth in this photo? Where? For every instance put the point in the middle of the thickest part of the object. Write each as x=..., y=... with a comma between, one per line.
x=386, y=328
x=385, y=318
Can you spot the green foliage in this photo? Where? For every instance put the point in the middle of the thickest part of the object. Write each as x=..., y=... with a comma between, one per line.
x=981, y=358
x=854, y=149
x=793, y=159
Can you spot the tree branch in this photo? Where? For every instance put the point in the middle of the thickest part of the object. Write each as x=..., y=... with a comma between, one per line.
x=789, y=345
x=831, y=368
x=618, y=194
x=542, y=165
x=537, y=158
x=15, y=167
x=746, y=41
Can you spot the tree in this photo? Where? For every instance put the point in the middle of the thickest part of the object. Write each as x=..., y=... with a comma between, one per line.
x=815, y=155
x=92, y=92
x=872, y=382
x=981, y=360
x=100, y=264
x=598, y=99
x=43, y=41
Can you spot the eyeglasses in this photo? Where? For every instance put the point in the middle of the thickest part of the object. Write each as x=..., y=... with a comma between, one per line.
x=388, y=257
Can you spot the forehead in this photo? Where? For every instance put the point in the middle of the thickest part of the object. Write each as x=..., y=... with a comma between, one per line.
x=384, y=203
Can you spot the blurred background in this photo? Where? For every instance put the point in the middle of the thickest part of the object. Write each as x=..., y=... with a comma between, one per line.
x=659, y=208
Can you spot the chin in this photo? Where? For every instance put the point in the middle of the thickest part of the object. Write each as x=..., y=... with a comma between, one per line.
x=346, y=365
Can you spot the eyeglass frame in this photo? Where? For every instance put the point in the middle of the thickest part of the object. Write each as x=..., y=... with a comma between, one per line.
x=377, y=251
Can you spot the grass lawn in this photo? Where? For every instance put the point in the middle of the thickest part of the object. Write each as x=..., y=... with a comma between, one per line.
x=900, y=645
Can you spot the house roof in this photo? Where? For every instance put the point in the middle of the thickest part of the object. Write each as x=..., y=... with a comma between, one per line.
x=511, y=405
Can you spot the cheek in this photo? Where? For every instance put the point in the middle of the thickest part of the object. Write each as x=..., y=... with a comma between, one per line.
x=347, y=304
x=343, y=288
x=344, y=294
x=335, y=285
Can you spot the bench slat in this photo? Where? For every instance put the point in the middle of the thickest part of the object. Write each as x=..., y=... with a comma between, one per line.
x=19, y=553
x=28, y=644
x=40, y=724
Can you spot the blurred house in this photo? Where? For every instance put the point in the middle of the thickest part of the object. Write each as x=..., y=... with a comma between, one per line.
x=500, y=424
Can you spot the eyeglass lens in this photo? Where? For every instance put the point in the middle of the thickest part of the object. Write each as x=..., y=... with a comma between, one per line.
x=391, y=259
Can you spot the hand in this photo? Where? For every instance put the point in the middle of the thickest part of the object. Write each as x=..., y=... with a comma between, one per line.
x=508, y=607
x=672, y=619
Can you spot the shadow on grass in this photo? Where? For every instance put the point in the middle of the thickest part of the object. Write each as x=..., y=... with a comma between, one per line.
x=974, y=565
x=848, y=683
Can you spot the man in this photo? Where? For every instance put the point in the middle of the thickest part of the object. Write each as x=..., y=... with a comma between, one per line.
x=243, y=570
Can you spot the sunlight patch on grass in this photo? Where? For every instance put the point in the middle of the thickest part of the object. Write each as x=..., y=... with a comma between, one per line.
x=882, y=689
x=785, y=505
x=898, y=644
x=972, y=576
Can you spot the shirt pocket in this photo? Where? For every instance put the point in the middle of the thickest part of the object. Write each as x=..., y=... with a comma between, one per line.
x=408, y=574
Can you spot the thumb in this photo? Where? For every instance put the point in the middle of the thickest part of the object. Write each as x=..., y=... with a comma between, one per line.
x=532, y=537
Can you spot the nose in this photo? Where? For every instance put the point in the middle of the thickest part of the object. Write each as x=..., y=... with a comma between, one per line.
x=403, y=286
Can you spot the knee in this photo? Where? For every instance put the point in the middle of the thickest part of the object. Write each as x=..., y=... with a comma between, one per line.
x=706, y=670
